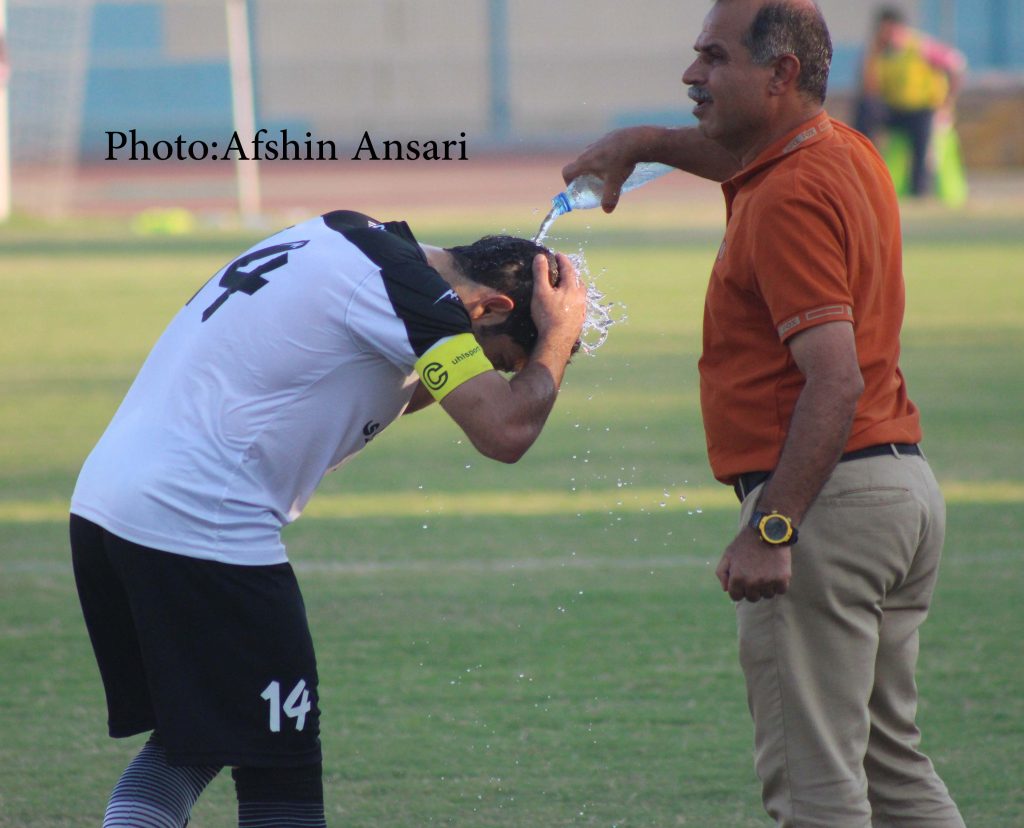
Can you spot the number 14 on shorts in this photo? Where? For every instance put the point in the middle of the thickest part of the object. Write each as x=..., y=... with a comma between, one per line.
x=295, y=706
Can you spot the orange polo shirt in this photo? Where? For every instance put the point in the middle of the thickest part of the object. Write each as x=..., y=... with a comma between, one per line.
x=812, y=236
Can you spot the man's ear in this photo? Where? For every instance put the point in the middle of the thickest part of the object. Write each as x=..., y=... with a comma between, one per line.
x=785, y=72
x=496, y=303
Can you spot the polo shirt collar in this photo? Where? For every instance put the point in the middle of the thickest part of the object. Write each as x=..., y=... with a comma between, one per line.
x=808, y=133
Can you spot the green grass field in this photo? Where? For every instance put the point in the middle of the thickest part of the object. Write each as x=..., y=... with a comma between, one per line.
x=537, y=645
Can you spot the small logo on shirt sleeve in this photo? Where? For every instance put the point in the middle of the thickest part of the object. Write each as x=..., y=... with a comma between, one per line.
x=449, y=295
x=816, y=315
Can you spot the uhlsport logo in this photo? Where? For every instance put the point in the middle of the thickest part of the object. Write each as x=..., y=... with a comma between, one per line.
x=435, y=376
x=466, y=355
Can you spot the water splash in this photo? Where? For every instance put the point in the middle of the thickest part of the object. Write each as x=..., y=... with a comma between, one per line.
x=559, y=209
x=600, y=315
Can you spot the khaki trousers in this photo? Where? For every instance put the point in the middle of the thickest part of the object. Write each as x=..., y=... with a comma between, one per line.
x=830, y=665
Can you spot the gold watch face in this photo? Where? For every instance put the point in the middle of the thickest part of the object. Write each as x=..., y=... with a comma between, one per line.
x=776, y=529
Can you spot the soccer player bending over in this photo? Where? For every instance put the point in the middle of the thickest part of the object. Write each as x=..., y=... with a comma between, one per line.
x=281, y=368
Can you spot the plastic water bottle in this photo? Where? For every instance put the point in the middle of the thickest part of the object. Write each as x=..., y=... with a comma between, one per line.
x=584, y=192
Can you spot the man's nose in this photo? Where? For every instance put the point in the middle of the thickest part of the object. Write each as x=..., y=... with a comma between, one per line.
x=691, y=76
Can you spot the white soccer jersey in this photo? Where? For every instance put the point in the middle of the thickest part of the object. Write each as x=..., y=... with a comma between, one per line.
x=282, y=367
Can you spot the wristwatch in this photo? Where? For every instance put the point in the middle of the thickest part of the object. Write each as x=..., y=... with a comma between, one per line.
x=774, y=529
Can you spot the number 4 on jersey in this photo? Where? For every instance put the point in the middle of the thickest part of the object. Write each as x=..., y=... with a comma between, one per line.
x=296, y=706
x=236, y=279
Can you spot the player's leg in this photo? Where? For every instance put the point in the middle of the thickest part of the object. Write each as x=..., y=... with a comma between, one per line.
x=279, y=777
x=904, y=789
x=919, y=129
x=229, y=659
x=106, y=608
x=282, y=797
x=153, y=793
x=226, y=658
x=149, y=791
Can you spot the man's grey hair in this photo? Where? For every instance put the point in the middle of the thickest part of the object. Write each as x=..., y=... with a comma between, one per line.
x=784, y=28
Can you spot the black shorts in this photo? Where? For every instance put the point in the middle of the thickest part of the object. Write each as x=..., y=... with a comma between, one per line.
x=217, y=658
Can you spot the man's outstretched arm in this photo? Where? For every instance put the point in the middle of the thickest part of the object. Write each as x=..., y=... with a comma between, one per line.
x=612, y=157
x=502, y=417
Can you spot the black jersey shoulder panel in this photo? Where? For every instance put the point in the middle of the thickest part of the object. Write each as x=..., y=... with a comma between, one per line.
x=425, y=302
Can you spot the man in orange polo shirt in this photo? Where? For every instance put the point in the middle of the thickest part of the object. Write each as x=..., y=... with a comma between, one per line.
x=807, y=415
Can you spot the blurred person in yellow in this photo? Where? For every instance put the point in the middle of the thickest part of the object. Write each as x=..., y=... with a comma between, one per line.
x=910, y=82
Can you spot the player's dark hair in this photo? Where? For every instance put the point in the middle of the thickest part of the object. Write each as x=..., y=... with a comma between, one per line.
x=787, y=29
x=505, y=263
x=890, y=14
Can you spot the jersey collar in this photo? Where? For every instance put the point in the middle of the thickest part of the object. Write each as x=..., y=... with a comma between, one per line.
x=403, y=231
x=807, y=134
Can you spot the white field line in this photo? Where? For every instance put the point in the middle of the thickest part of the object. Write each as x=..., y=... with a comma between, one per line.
x=627, y=500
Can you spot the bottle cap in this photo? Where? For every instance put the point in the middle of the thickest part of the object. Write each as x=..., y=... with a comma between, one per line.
x=561, y=204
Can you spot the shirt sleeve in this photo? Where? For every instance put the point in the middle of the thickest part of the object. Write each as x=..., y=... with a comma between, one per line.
x=801, y=266
x=944, y=57
x=404, y=309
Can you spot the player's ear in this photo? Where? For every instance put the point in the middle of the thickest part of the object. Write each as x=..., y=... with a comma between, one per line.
x=497, y=303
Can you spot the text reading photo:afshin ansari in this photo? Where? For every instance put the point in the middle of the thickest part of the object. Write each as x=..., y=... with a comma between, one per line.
x=280, y=146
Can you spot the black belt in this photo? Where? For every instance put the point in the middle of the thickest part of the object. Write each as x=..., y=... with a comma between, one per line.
x=746, y=483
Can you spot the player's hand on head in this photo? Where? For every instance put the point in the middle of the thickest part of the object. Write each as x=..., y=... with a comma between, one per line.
x=558, y=310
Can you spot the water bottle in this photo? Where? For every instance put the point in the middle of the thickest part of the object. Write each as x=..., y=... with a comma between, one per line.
x=584, y=192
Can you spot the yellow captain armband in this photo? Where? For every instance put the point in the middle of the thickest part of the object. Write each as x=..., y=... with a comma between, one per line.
x=450, y=363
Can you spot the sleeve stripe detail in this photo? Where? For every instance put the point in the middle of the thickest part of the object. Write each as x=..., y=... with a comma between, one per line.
x=816, y=315
x=450, y=363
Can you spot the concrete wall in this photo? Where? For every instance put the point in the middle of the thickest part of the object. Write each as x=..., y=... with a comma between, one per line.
x=423, y=68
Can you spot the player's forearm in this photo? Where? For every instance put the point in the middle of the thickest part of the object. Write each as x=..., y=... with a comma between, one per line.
x=503, y=418
x=545, y=369
x=532, y=395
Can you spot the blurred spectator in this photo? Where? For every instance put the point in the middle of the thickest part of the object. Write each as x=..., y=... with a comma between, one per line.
x=909, y=85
